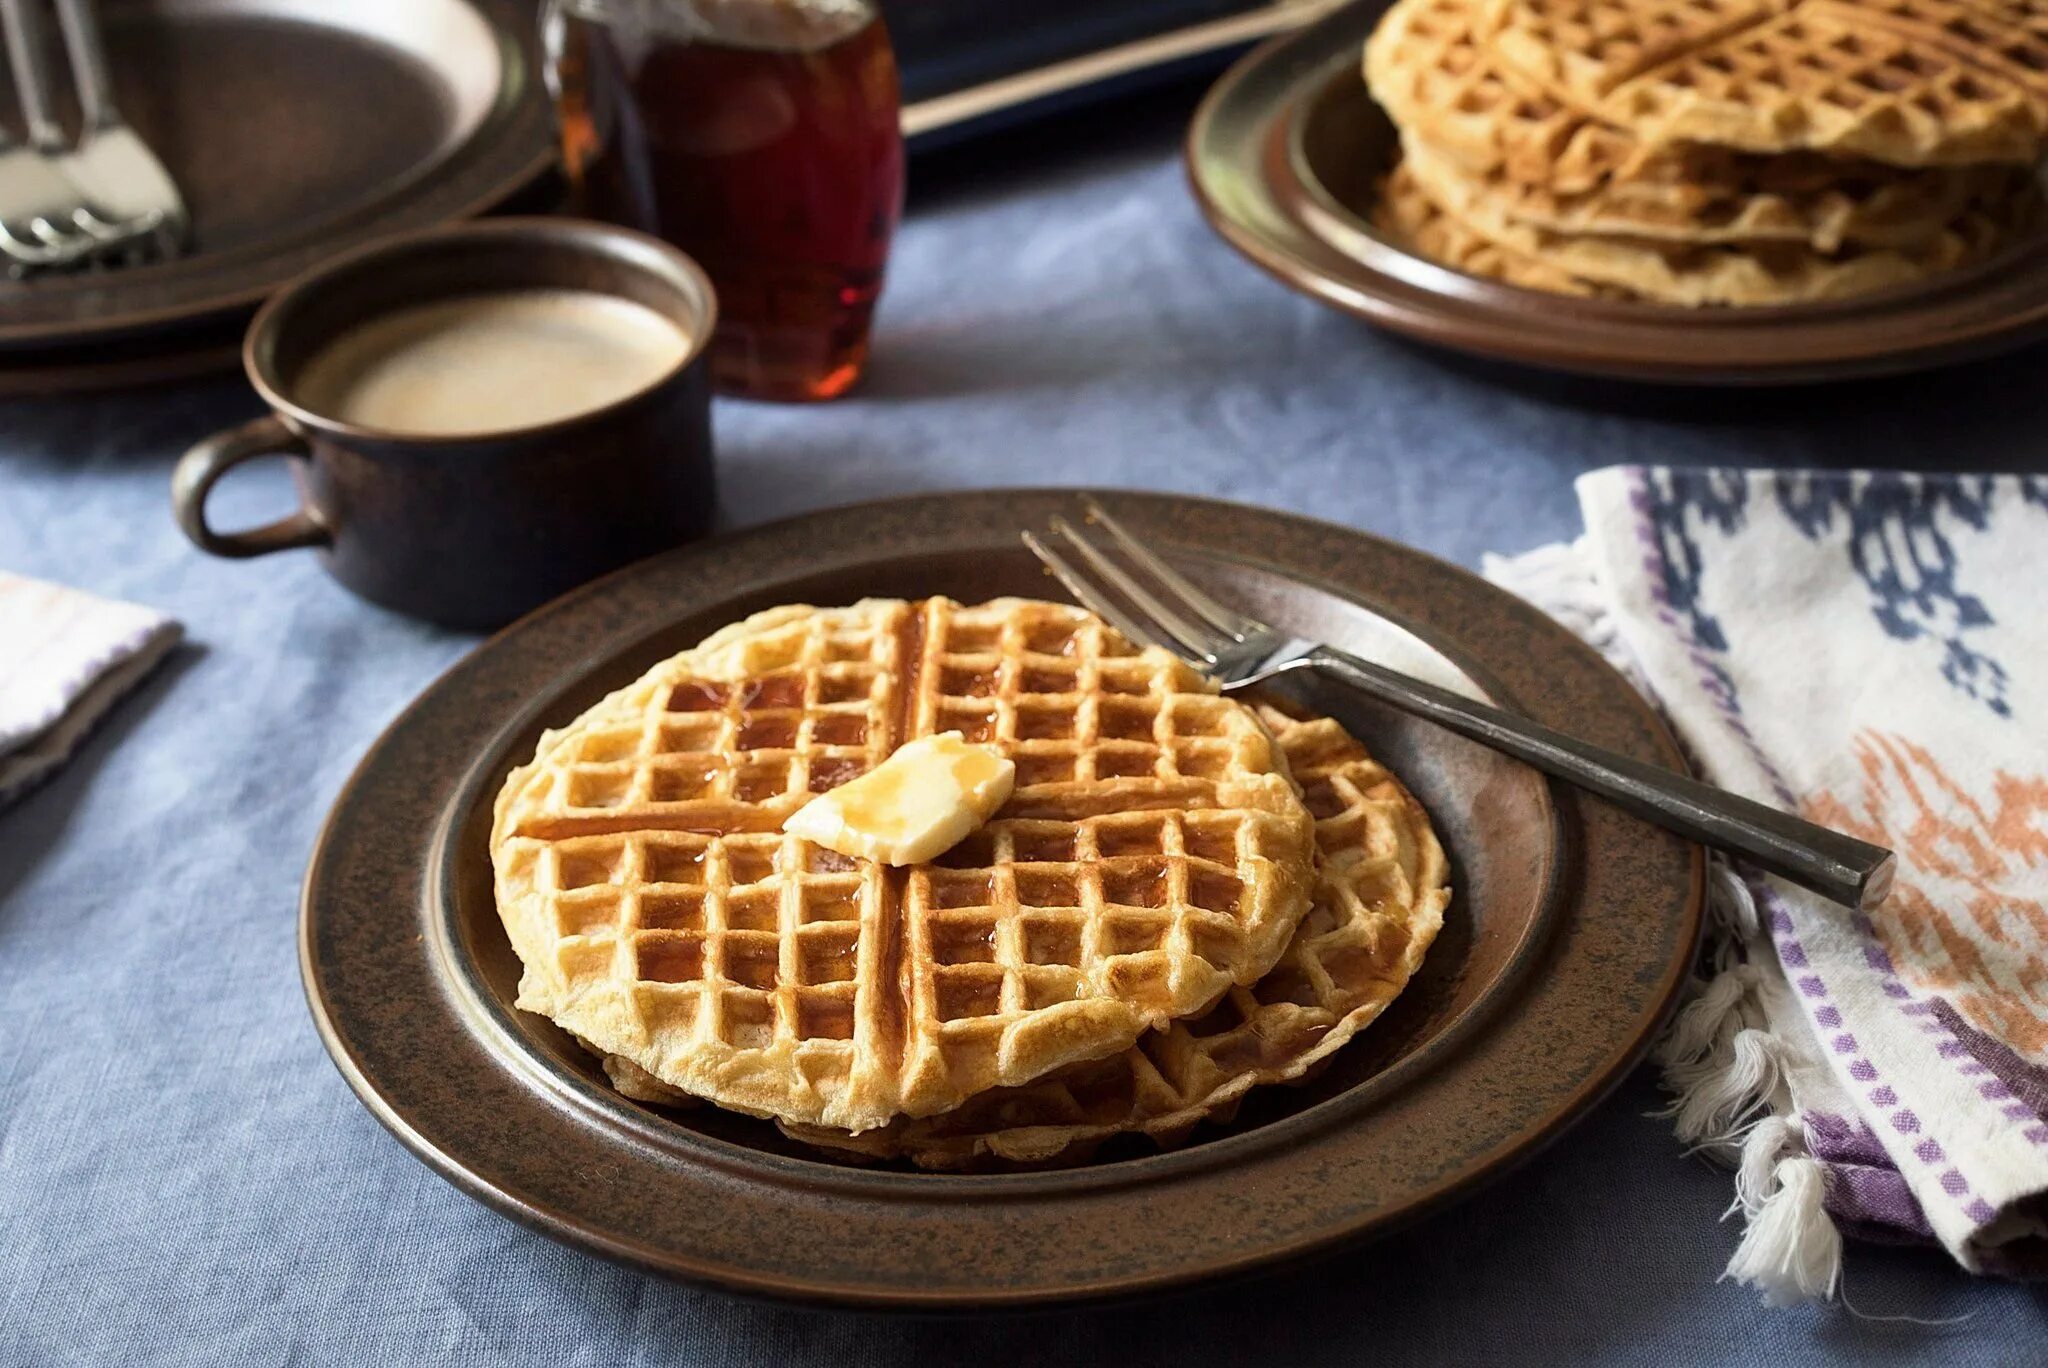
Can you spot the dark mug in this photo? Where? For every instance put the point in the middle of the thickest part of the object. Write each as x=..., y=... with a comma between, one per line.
x=475, y=528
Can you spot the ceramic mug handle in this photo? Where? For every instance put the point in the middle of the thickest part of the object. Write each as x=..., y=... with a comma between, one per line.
x=205, y=463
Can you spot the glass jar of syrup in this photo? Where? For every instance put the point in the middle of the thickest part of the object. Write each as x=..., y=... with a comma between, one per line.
x=761, y=137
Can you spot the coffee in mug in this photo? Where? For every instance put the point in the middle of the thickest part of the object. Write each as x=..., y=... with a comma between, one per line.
x=490, y=362
x=480, y=416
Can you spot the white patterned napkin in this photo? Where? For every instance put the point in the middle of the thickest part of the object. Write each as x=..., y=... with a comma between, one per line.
x=1869, y=649
x=66, y=657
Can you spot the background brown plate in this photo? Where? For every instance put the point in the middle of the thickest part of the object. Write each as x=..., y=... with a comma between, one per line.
x=1285, y=152
x=295, y=129
x=1569, y=934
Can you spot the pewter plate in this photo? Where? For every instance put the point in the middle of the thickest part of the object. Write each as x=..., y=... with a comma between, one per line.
x=296, y=129
x=1570, y=931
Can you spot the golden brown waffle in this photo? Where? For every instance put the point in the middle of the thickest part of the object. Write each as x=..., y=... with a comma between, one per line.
x=1737, y=273
x=1407, y=218
x=1153, y=854
x=1428, y=65
x=1800, y=198
x=1909, y=82
x=1381, y=890
x=1547, y=167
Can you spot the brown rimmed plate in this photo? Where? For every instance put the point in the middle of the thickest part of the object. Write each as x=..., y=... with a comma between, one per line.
x=1569, y=934
x=1286, y=150
x=296, y=129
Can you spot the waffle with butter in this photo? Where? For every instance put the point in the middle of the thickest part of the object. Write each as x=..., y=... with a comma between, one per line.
x=1153, y=855
x=1381, y=890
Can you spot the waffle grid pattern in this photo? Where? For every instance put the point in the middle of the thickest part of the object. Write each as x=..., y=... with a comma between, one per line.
x=1704, y=152
x=1584, y=49
x=1380, y=897
x=666, y=918
x=1908, y=82
x=1550, y=167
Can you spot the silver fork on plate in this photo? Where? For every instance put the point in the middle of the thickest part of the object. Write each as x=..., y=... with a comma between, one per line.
x=1149, y=601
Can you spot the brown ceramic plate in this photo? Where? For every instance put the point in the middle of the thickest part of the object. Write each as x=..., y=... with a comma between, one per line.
x=296, y=129
x=1570, y=932
x=1284, y=155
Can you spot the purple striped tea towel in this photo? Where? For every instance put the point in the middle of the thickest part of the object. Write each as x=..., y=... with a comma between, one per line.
x=1869, y=649
x=66, y=657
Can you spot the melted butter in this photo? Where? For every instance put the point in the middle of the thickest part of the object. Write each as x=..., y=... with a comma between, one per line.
x=914, y=806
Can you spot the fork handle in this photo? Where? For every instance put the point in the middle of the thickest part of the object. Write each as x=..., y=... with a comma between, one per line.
x=27, y=51
x=1838, y=867
x=81, y=25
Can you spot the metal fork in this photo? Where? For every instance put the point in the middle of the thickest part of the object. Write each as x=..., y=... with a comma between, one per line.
x=112, y=164
x=40, y=207
x=1149, y=601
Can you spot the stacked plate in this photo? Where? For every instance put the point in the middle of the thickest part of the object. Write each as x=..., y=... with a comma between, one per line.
x=378, y=118
x=444, y=905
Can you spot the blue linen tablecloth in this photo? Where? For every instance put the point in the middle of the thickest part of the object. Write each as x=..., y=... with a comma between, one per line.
x=184, y=1179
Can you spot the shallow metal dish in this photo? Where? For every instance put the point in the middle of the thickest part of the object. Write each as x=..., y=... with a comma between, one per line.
x=1569, y=934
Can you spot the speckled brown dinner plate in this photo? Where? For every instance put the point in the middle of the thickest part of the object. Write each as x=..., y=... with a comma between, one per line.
x=295, y=130
x=1569, y=934
x=1285, y=153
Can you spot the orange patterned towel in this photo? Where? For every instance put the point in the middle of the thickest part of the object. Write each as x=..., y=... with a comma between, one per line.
x=1869, y=649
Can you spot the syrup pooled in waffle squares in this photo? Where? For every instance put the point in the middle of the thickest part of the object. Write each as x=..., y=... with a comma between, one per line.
x=1381, y=889
x=1153, y=854
x=1550, y=129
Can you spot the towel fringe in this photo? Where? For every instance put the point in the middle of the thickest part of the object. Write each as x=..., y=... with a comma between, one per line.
x=1790, y=1251
x=1699, y=1026
x=1719, y=1098
x=1726, y=1074
x=1769, y=1140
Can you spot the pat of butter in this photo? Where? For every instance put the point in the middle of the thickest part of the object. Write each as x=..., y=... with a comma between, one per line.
x=916, y=805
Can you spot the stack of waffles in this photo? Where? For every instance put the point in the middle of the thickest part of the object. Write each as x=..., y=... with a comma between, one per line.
x=1184, y=897
x=1703, y=152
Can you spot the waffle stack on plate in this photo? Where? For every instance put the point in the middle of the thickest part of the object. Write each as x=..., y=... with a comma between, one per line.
x=1701, y=152
x=1183, y=896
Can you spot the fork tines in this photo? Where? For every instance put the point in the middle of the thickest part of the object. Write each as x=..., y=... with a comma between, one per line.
x=103, y=198
x=1138, y=592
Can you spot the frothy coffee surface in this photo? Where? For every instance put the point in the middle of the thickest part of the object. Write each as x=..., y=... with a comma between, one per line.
x=489, y=363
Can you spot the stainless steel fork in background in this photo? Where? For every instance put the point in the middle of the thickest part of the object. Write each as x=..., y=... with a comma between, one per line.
x=1149, y=601
x=44, y=218
x=111, y=163
x=106, y=198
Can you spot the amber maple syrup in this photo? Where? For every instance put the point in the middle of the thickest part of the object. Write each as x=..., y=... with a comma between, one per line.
x=761, y=137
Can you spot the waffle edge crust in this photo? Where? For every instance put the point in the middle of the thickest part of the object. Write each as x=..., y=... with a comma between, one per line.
x=1155, y=854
